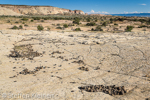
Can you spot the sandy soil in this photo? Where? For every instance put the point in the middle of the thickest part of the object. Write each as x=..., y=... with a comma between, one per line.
x=121, y=59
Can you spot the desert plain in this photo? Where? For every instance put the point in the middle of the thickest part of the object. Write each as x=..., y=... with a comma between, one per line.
x=120, y=59
x=93, y=58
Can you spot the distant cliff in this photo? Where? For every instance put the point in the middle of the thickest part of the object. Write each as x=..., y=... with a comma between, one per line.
x=34, y=10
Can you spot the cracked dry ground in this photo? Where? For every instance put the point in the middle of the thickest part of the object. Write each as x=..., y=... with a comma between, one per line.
x=70, y=60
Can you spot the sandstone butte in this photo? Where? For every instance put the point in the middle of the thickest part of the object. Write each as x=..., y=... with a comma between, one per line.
x=34, y=10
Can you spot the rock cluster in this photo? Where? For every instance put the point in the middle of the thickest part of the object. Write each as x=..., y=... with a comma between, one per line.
x=24, y=51
x=79, y=62
x=111, y=90
x=26, y=71
x=56, y=52
x=84, y=68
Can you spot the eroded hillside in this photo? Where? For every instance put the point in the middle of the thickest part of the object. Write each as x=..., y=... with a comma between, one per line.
x=34, y=10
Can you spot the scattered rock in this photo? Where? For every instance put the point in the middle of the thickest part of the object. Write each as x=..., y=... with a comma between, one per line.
x=59, y=77
x=147, y=98
x=70, y=35
x=79, y=62
x=24, y=51
x=72, y=91
x=56, y=52
x=26, y=71
x=111, y=90
x=60, y=57
x=13, y=76
x=73, y=82
x=84, y=68
x=97, y=68
x=66, y=59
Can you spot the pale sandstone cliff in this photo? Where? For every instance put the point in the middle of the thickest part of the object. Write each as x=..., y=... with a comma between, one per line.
x=34, y=10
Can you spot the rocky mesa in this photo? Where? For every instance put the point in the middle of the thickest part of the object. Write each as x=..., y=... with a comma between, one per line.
x=35, y=10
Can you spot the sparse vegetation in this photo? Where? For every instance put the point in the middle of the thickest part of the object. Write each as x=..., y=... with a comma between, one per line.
x=65, y=26
x=42, y=20
x=40, y=27
x=141, y=26
x=129, y=28
x=58, y=27
x=36, y=18
x=111, y=22
x=104, y=24
x=48, y=29
x=25, y=25
x=92, y=29
x=24, y=19
x=76, y=21
x=77, y=29
x=90, y=24
x=14, y=27
x=16, y=22
x=116, y=24
x=98, y=28
x=148, y=22
x=20, y=27
x=88, y=19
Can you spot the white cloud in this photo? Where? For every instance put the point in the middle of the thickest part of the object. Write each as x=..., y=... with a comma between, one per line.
x=92, y=11
x=99, y=12
x=135, y=12
x=143, y=4
x=126, y=12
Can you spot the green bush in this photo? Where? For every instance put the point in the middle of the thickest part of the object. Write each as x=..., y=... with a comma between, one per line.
x=88, y=19
x=120, y=19
x=148, y=22
x=129, y=28
x=92, y=29
x=42, y=20
x=142, y=20
x=24, y=19
x=58, y=27
x=98, y=28
x=8, y=21
x=115, y=24
x=20, y=27
x=141, y=26
x=40, y=28
x=104, y=24
x=65, y=25
x=32, y=20
x=90, y=24
x=58, y=24
x=48, y=29
x=77, y=29
x=14, y=27
x=16, y=22
x=36, y=18
x=76, y=21
x=111, y=19
x=25, y=25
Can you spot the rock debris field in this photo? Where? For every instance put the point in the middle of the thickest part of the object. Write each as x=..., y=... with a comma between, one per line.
x=75, y=65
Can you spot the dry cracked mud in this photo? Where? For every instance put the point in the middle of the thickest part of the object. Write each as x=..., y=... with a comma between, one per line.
x=121, y=60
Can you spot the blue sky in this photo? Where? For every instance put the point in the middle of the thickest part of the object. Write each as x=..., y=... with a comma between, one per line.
x=91, y=6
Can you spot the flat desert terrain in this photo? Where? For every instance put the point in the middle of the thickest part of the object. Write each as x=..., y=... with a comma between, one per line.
x=74, y=65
